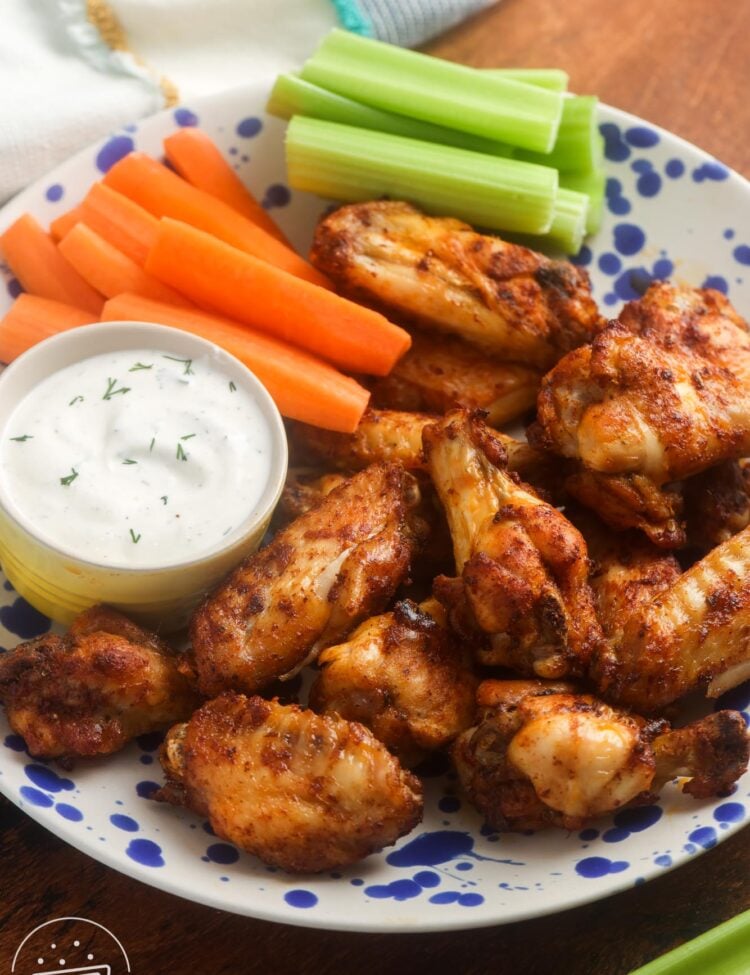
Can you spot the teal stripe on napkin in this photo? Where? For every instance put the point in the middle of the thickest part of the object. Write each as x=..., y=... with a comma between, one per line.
x=404, y=22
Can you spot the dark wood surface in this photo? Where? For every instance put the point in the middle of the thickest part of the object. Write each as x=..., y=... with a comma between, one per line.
x=683, y=64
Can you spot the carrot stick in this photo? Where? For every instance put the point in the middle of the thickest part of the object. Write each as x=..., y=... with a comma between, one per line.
x=303, y=387
x=223, y=278
x=65, y=222
x=31, y=319
x=109, y=270
x=40, y=267
x=164, y=194
x=198, y=159
x=126, y=226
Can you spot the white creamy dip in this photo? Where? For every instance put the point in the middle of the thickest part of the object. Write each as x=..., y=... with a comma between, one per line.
x=136, y=458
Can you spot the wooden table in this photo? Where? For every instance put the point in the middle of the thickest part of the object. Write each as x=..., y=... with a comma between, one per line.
x=684, y=65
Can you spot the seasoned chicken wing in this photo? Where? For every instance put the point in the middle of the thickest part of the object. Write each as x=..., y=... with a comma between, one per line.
x=522, y=567
x=659, y=395
x=511, y=302
x=717, y=504
x=404, y=676
x=545, y=755
x=301, y=791
x=438, y=374
x=93, y=690
x=318, y=578
x=303, y=490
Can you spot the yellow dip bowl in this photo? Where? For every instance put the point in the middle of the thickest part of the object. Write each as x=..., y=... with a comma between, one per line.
x=61, y=583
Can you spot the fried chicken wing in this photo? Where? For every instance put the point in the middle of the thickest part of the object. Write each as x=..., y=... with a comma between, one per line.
x=717, y=504
x=661, y=394
x=317, y=579
x=303, y=491
x=301, y=791
x=91, y=691
x=404, y=676
x=545, y=755
x=438, y=374
x=523, y=567
x=511, y=302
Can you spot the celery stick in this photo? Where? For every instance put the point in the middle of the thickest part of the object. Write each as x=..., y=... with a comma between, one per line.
x=568, y=226
x=346, y=163
x=578, y=145
x=553, y=78
x=292, y=95
x=441, y=92
x=592, y=184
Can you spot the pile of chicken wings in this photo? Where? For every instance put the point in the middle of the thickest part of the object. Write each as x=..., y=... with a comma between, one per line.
x=535, y=607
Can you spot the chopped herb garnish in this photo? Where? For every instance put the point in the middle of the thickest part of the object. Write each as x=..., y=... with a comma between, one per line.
x=181, y=455
x=188, y=363
x=139, y=365
x=69, y=478
x=164, y=498
x=111, y=391
x=24, y=438
x=232, y=387
x=151, y=445
x=136, y=538
x=76, y=399
x=129, y=461
x=187, y=436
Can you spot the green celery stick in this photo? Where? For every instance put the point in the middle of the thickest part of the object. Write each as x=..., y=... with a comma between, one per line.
x=568, y=226
x=724, y=950
x=292, y=95
x=592, y=184
x=553, y=78
x=437, y=91
x=578, y=145
x=346, y=163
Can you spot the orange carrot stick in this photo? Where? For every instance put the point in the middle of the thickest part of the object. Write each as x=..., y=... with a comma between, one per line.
x=41, y=268
x=198, y=159
x=65, y=222
x=109, y=270
x=223, y=278
x=164, y=194
x=126, y=226
x=303, y=387
x=31, y=319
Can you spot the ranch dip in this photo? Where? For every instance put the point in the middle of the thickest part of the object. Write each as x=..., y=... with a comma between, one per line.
x=136, y=458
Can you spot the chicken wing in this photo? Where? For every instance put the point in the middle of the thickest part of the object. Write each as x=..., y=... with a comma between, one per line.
x=91, y=691
x=303, y=490
x=301, y=791
x=320, y=576
x=511, y=302
x=523, y=567
x=658, y=396
x=438, y=374
x=545, y=755
x=404, y=676
x=717, y=504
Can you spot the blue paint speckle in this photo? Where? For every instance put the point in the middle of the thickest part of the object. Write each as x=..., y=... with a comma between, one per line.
x=69, y=812
x=583, y=257
x=430, y=849
x=357, y=882
x=145, y=852
x=617, y=202
x=249, y=127
x=222, y=853
x=151, y=741
x=704, y=836
x=609, y=263
x=615, y=148
x=629, y=238
x=426, y=878
x=665, y=860
x=301, y=898
x=641, y=136
x=146, y=789
x=113, y=151
x=593, y=867
x=615, y=835
x=588, y=834
x=710, y=170
x=632, y=284
x=126, y=823
x=23, y=620
x=15, y=288
x=146, y=759
x=455, y=897
x=464, y=866
x=399, y=890
x=54, y=192
x=184, y=117
x=15, y=743
x=637, y=819
x=449, y=804
x=47, y=779
x=642, y=166
x=649, y=183
x=741, y=253
x=717, y=282
x=729, y=234
x=729, y=812
x=35, y=797
x=277, y=195
x=662, y=269
x=675, y=168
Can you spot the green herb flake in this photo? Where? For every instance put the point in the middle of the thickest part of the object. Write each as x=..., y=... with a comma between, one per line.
x=181, y=455
x=232, y=387
x=69, y=478
x=76, y=399
x=151, y=445
x=188, y=363
x=135, y=537
x=112, y=391
x=24, y=438
x=164, y=498
x=139, y=365
x=188, y=436
x=129, y=461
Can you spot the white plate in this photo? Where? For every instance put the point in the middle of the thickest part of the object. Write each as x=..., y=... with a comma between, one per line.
x=672, y=211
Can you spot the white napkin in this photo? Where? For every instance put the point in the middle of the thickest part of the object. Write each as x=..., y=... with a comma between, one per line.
x=73, y=70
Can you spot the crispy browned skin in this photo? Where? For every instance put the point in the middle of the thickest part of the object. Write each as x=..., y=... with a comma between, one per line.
x=717, y=504
x=545, y=755
x=303, y=491
x=301, y=791
x=404, y=676
x=694, y=633
x=319, y=577
x=660, y=395
x=438, y=374
x=523, y=567
x=93, y=690
x=512, y=302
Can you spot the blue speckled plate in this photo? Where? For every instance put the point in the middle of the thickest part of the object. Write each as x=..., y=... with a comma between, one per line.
x=672, y=211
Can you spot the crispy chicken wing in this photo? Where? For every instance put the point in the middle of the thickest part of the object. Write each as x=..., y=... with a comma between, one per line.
x=438, y=374
x=545, y=755
x=659, y=395
x=93, y=690
x=512, y=302
x=523, y=567
x=303, y=490
x=717, y=504
x=318, y=578
x=404, y=676
x=301, y=791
